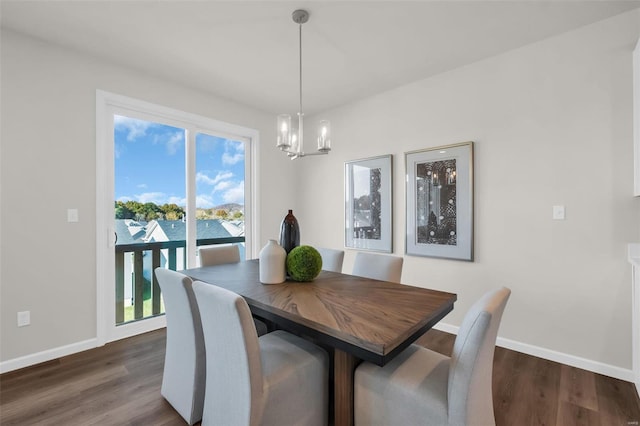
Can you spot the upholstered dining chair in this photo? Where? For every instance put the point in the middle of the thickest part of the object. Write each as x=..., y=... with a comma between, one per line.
x=331, y=259
x=275, y=379
x=378, y=266
x=420, y=386
x=219, y=255
x=183, y=379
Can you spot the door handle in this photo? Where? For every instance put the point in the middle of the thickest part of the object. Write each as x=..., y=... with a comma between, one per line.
x=112, y=237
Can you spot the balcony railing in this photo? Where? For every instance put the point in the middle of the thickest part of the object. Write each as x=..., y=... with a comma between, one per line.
x=168, y=254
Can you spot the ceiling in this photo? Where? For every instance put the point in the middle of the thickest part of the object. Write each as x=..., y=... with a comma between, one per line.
x=247, y=51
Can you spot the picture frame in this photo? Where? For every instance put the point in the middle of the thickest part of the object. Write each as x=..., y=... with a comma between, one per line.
x=439, y=202
x=368, y=203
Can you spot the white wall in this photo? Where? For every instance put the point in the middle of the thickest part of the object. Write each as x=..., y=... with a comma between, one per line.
x=48, y=165
x=552, y=125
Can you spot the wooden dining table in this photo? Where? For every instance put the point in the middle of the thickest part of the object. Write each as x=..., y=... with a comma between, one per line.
x=357, y=318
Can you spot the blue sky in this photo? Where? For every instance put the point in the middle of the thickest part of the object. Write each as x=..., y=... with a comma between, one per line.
x=150, y=165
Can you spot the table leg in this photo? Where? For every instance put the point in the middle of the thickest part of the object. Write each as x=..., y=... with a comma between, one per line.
x=344, y=365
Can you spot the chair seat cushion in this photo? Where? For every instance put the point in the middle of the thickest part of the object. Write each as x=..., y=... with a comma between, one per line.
x=294, y=371
x=410, y=390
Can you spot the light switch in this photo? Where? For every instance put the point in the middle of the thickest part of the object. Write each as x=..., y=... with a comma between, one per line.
x=24, y=318
x=558, y=212
x=72, y=215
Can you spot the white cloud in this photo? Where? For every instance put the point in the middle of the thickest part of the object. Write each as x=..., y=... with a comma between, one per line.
x=203, y=178
x=235, y=194
x=133, y=126
x=229, y=159
x=171, y=141
x=174, y=143
x=142, y=185
x=151, y=197
x=233, y=152
x=204, y=201
x=207, y=143
x=234, y=145
x=222, y=185
x=182, y=202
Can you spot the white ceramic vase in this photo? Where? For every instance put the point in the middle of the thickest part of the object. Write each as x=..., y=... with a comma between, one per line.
x=273, y=260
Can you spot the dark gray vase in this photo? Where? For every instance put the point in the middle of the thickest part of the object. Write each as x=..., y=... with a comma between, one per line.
x=289, y=232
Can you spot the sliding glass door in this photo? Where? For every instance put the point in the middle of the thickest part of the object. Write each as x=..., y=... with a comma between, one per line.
x=176, y=182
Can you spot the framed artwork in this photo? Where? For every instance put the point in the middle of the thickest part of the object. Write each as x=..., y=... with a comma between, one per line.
x=439, y=195
x=368, y=200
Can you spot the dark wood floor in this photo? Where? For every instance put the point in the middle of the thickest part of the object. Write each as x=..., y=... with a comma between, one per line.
x=119, y=384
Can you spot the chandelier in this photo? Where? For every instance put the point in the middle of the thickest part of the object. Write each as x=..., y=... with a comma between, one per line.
x=290, y=140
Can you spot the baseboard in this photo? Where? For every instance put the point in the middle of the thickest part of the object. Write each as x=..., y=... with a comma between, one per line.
x=551, y=355
x=48, y=355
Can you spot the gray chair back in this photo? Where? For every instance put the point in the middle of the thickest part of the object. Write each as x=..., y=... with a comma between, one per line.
x=378, y=266
x=331, y=259
x=471, y=367
x=218, y=255
x=277, y=379
x=234, y=377
x=183, y=379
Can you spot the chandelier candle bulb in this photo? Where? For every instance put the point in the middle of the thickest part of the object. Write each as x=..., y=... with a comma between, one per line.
x=284, y=132
x=324, y=136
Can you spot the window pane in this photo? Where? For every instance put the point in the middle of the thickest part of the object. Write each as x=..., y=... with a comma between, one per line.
x=220, y=168
x=149, y=208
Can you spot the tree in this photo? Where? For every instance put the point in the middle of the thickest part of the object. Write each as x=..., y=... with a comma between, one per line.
x=150, y=211
x=142, y=212
x=202, y=214
x=172, y=211
x=122, y=212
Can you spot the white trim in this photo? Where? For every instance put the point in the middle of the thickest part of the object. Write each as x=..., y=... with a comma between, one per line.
x=633, y=251
x=138, y=327
x=636, y=119
x=108, y=104
x=48, y=355
x=104, y=185
x=251, y=222
x=190, y=170
x=551, y=355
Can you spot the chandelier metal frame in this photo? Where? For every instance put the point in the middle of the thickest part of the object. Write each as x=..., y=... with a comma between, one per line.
x=291, y=140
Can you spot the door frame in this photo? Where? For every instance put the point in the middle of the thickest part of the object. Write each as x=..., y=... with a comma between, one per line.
x=108, y=104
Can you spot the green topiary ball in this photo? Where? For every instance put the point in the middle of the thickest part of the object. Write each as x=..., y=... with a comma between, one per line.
x=304, y=263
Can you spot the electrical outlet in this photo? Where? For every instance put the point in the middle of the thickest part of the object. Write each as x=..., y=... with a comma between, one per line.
x=24, y=318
